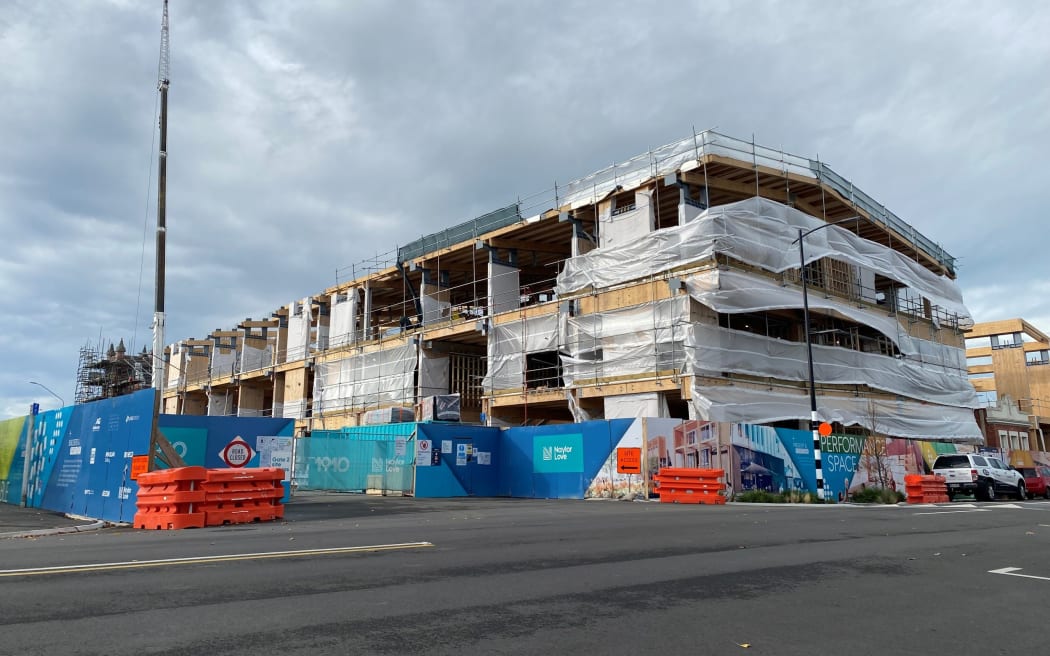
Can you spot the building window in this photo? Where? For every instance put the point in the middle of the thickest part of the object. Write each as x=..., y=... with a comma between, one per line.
x=989, y=398
x=978, y=361
x=1009, y=340
x=978, y=342
x=1037, y=357
x=982, y=376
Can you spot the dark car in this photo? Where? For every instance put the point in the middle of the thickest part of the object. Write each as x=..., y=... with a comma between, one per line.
x=1037, y=480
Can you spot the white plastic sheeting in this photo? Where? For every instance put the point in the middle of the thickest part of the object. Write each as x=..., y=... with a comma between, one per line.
x=508, y=344
x=298, y=330
x=734, y=292
x=433, y=373
x=636, y=406
x=661, y=336
x=630, y=341
x=504, y=289
x=617, y=230
x=256, y=354
x=291, y=409
x=435, y=308
x=902, y=418
x=344, y=319
x=220, y=404
x=366, y=380
x=176, y=366
x=683, y=155
x=758, y=232
x=223, y=362
x=715, y=349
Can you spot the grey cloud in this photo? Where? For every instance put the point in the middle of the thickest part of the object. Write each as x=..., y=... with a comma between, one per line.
x=308, y=136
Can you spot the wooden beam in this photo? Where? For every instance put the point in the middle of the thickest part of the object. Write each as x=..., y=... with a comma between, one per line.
x=527, y=245
x=259, y=323
x=779, y=195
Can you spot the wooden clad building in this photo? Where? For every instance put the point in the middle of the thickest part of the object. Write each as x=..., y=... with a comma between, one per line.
x=668, y=285
x=1008, y=362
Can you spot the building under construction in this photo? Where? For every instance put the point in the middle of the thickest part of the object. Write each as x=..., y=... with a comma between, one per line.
x=665, y=286
x=104, y=375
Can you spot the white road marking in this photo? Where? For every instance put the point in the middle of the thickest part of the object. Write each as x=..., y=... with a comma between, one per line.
x=136, y=564
x=1012, y=571
x=950, y=512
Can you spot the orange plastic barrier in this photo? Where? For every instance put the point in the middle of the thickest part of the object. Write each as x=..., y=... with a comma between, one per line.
x=240, y=496
x=687, y=485
x=925, y=489
x=195, y=497
x=170, y=499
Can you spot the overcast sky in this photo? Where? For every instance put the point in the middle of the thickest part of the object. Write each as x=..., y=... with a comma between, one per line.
x=306, y=136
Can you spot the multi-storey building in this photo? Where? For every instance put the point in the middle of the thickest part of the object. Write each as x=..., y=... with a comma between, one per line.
x=668, y=285
x=1009, y=366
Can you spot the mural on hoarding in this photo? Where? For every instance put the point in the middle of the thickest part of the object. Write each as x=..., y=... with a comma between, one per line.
x=86, y=468
x=81, y=455
x=885, y=462
x=657, y=439
x=770, y=459
x=11, y=440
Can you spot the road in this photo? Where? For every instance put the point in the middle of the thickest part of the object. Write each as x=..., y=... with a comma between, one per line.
x=502, y=576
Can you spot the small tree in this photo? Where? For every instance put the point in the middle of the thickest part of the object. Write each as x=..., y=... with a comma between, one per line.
x=874, y=457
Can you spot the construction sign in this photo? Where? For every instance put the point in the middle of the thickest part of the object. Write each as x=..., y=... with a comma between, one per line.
x=139, y=465
x=237, y=453
x=629, y=460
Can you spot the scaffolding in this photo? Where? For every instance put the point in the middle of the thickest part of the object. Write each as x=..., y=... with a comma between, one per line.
x=671, y=275
x=114, y=373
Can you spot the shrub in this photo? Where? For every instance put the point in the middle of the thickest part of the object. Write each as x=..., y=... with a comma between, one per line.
x=793, y=496
x=759, y=496
x=877, y=495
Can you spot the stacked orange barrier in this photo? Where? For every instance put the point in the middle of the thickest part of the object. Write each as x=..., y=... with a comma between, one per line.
x=240, y=496
x=170, y=499
x=925, y=489
x=686, y=485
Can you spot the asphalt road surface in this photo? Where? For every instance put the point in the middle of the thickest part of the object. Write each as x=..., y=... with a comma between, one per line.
x=495, y=576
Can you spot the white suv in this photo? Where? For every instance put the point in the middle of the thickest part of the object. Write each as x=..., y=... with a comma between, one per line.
x=982, y=476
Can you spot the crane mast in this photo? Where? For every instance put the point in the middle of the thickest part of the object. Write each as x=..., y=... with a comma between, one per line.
x=159, y=443
x=162, y=180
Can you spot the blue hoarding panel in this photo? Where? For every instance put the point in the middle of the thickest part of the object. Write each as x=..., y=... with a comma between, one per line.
x=559, y=461
x=92, y=461
x=466, y=463
x=201, y=440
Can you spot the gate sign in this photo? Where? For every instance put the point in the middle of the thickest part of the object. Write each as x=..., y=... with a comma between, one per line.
x=423, y=457
x=629, y=460
x=237, y=453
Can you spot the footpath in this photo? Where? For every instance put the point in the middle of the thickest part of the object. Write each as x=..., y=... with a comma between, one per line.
x=19, y=522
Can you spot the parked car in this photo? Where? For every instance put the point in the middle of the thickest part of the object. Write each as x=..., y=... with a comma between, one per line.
x=982, y=476
x=1037, y=480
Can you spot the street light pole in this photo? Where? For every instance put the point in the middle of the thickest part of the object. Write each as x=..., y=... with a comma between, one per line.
x=48, y=390
x=814, y=424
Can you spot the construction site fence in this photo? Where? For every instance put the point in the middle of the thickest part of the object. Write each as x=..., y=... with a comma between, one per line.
x=367, y=459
